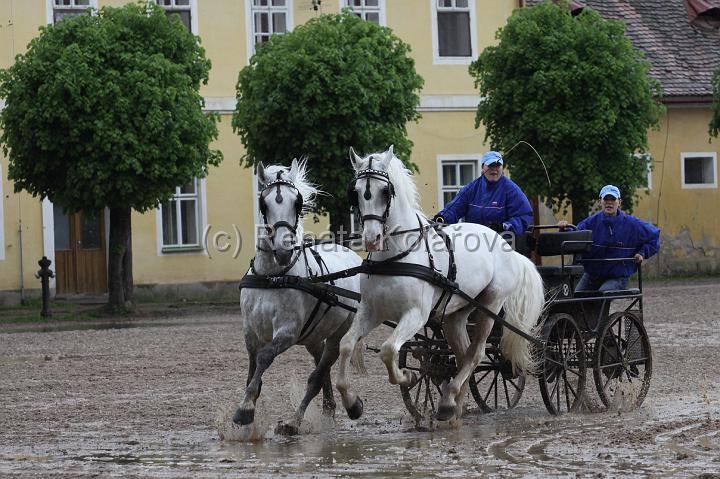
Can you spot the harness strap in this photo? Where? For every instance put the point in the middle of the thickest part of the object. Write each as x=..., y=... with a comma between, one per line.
x=325, y=292
x=311, y=324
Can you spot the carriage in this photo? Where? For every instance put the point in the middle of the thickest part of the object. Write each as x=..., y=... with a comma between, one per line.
x=585, y=337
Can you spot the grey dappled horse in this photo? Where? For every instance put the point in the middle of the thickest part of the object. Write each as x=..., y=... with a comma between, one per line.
x=276, y=319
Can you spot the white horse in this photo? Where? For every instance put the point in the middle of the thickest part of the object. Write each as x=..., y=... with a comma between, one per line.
x=487, y=270
x=276, y=319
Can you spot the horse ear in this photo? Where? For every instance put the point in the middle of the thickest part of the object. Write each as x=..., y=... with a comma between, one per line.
x=354, y=159
x=261, y=173
x=388, y=157
x=294, y=168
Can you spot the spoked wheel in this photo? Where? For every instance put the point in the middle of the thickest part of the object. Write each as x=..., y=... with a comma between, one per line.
x=622, y=362
x=493, y=385
x=563, y=367
x=430, y=358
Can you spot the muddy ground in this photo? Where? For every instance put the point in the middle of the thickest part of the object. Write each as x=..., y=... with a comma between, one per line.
x=151, y=398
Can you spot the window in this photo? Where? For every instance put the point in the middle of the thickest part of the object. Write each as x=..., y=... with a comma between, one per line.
x=59, y=9
x=369, y=10
x=180, y=217
x=699, y=170
x=183, y=8
x=454, y=174
x=268, y=17
x=453, y=31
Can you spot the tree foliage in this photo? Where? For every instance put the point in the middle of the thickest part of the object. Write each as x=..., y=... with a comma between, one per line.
x=575, y=89
x=715, y=121
x=336, y=81
x=105, y=110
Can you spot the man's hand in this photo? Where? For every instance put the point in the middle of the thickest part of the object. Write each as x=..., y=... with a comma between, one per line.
x=638, y=258
x=562, y=224
x=438, y=219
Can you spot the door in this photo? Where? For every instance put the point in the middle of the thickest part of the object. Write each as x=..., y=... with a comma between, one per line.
x=80, y=252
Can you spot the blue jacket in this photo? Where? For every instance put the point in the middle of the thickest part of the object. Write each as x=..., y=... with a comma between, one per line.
x=488, y=203
x=619, y=236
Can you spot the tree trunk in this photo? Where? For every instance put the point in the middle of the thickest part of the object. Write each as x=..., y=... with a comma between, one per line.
x=120, y=261
x=340, y=223
x=579, y=210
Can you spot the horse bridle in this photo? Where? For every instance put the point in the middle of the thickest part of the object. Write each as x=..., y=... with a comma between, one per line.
x=388, y=192
x=271, y=229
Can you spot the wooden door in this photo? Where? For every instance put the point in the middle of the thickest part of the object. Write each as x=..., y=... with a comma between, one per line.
x=80, y=252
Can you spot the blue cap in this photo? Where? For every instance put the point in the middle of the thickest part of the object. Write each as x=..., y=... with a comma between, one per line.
x=610, y=190
x=492, y=157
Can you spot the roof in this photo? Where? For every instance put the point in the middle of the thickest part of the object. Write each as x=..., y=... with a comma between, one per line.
x=683, y=55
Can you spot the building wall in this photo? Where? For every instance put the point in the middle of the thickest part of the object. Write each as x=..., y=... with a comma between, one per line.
x=687, y=217
x=690, y=227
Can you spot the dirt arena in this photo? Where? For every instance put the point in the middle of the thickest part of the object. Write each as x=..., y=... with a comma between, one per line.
x=152, y=397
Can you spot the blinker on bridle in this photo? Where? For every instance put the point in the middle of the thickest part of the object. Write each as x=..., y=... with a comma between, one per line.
x=277, y=183
x=388, y=191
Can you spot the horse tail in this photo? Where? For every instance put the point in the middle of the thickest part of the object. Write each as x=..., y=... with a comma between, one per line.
x=357, y=360
x=522, y=309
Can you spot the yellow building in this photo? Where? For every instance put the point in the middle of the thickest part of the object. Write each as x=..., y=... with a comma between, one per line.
x=200, y=243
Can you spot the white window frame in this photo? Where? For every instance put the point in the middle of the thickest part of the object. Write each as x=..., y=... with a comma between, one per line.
x=364, y=10
x=250, y=10
x=437, y=59
x=201, y=212
x=2, y=217
x=50, y=9
x=473, y=158
x=696, y=154
x=193, y=8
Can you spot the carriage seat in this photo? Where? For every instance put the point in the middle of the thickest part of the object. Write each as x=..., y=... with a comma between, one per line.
x=563, y=243
x=612, y=292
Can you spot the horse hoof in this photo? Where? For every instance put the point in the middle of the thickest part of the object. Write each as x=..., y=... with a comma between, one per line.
x=285, y=429
x=445, y=413
x=356, y=410
x=244, y=417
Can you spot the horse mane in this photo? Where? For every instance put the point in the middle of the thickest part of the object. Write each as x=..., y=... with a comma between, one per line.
x=307, y=189
x=401, y=177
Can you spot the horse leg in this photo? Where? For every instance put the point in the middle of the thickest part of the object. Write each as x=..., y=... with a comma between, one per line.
x=453, y=394
x=409, y=324
x=456, y=334
x=359, y=328
x=245, y=414
x=318, y=379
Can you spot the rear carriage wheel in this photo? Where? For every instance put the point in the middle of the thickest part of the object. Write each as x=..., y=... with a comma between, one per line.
x=493, y=385
x=622, y=361
x=563, y=365
x=431, y=360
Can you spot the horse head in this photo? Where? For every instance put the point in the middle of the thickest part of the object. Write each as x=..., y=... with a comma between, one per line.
x=281, y=206
x=372, y=192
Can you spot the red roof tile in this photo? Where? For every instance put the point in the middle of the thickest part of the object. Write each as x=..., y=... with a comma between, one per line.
x=683, y=55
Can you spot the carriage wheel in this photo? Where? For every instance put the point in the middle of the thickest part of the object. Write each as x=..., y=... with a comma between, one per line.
x=563, y=365
x=622, y=362
x=492, y=383
x=430, y=358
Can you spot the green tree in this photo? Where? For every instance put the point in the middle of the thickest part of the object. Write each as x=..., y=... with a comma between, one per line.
x=105, y=111
x=575, y=89
x=336, y=81
x=715, y=121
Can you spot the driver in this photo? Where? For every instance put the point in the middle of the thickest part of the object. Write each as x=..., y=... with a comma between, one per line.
x=493, y=200
x=615, y=235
